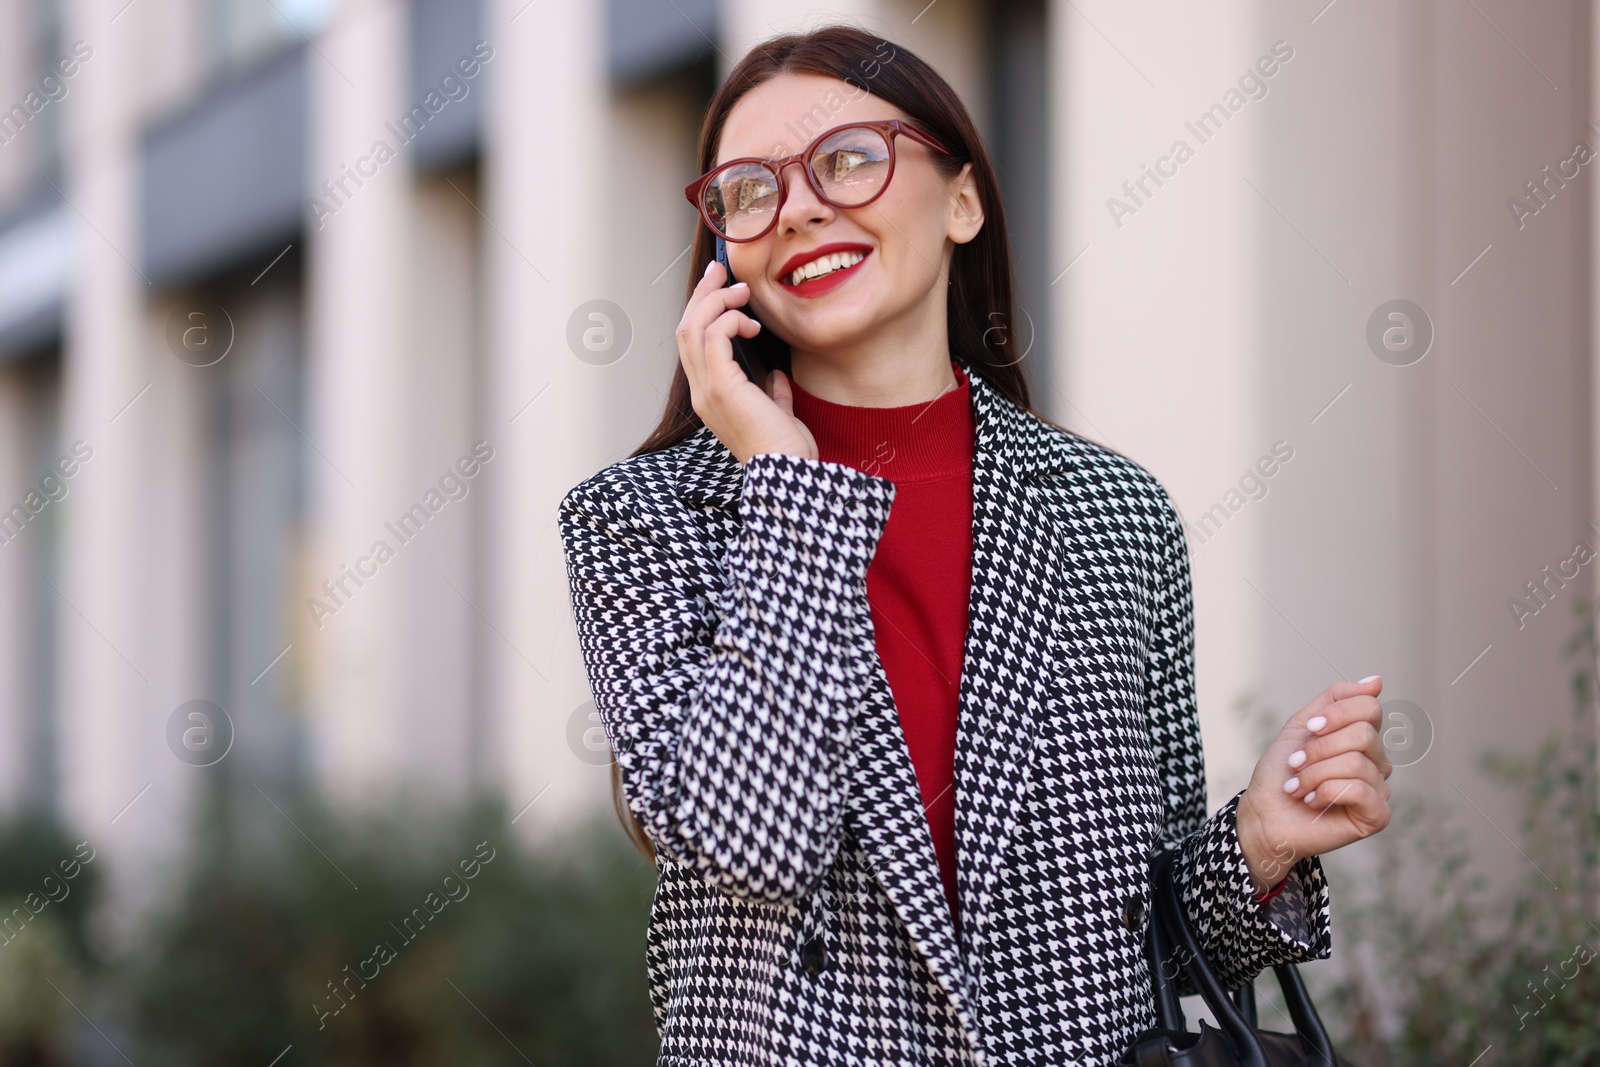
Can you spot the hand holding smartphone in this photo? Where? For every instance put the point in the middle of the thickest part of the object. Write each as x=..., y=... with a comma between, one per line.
x=765, y=351
x=748, y=421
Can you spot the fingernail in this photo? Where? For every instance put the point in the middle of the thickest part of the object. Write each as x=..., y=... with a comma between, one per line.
x=1367, y=679
x=1296, y=758
x=1316, y=722
x=738, y=285
x=707, y=274
x=1292, y=784
x=1311, y=796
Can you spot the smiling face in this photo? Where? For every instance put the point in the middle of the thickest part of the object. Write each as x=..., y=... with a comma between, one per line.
x=904, y=239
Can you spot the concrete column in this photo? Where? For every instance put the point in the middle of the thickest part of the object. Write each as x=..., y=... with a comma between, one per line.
x=173, y=607
x=746, y=23
x=442, y=706
x=176, y=49
x=1158, y=346
x=358, y=342
x=948, y=34
x=110, y=732
x=1593, y=194
x=546, y=258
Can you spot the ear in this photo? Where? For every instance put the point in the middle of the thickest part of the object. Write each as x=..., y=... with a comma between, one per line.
x=966, y=210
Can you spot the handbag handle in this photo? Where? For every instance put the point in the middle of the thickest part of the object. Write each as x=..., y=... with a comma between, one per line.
x=1169, y=912
x=1237, y=1017
x=1245, y=998
x=1306, y=1020
x=1158, y=953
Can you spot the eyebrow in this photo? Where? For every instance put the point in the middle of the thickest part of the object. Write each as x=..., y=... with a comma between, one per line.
x=774, y=157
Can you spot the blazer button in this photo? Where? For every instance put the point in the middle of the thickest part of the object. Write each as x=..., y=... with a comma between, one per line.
x=1133, y=912
x=814, y=956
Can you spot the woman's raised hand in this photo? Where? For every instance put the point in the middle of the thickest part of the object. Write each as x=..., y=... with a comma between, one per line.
x=746, y=418
x=1322, y=784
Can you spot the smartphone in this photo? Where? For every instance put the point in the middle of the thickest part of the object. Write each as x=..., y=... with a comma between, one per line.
x=765, y=351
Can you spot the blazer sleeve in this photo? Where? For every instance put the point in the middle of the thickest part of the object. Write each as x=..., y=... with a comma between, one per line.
x=1240, y=937
x=728, y=703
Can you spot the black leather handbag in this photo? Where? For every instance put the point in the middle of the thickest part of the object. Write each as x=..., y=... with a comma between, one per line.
x=1171, y=945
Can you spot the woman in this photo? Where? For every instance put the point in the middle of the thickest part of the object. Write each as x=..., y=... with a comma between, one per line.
x=898, y=675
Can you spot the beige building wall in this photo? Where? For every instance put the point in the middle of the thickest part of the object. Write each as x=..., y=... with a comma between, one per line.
x=1159, y=346
x=1469, y=467
x=1226, y=309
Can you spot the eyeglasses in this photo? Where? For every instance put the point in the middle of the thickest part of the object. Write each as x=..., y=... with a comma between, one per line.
x=847, y=166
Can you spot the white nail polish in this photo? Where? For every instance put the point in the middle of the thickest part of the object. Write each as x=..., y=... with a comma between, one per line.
x=707, y=274
x=738, y=285
x=1297, y=758
x=1316, y=722
x=1311, y=796
x=1292, y=784
x=1367, y=679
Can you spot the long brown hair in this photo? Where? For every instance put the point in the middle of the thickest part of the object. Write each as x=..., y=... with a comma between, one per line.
x=980, y=309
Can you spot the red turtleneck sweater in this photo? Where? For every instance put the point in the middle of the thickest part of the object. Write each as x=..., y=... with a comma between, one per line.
x=920, y=577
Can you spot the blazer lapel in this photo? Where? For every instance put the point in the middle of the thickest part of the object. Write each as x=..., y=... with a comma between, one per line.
x=1013, y=651
x=885, y=814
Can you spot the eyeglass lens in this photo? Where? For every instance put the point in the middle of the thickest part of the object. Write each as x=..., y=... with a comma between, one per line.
x=851, y=166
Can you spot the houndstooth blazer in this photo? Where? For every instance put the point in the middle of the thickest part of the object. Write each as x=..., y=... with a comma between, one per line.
x=799, y=917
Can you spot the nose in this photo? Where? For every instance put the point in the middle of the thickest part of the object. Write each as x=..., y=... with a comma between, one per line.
x=799, y=198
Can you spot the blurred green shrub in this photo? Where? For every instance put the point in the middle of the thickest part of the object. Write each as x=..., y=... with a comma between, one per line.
x=398, y=940
x=1455, y=968
x=46, y=892
x=38, y=857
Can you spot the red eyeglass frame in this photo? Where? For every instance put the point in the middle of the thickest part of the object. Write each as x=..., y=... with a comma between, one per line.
x=694, y=192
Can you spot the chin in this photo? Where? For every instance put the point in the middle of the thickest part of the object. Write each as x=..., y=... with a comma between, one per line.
x=821, y=329
x=813, y=339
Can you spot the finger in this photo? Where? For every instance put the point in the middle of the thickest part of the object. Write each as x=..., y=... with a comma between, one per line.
x=1366, y=805
x=1359, y=736
x=1338, y=691
x=1341, y=713
x=1342, y=691
x=719, y=367
x=1376, y=751
x=1313, y=778
x=710, y=301
x=711, y=278
x=691, y=341
x=715, y=276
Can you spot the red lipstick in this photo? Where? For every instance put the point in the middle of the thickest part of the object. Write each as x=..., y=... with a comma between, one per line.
x=813, y=287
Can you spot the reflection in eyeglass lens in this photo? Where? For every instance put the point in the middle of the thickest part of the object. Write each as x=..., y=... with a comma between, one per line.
x=851, y=164
x=851, y=167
